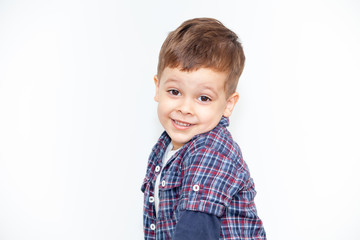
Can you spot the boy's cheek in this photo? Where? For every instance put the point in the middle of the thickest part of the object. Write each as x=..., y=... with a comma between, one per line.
x=166, y=103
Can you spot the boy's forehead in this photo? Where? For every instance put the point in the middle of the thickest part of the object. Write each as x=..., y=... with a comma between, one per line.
x=202, y=77
x=201, y=74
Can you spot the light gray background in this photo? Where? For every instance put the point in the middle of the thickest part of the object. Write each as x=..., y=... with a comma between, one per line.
x=78, y=120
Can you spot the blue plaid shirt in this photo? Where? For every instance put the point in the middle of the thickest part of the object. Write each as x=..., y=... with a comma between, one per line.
x=208, y=174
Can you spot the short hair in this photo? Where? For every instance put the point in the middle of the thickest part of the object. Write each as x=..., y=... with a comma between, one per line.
x=204, y=43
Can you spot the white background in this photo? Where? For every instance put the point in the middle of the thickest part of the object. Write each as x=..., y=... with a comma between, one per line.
x=78, y=120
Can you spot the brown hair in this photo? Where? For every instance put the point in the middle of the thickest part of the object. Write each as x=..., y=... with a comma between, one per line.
x=204, y=42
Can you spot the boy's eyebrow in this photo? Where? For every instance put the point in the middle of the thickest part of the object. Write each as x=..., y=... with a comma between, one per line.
x=201, y=87
x=205, y=87
x=171, y=80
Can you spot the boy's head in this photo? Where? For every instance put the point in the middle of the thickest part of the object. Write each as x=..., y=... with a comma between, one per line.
x=204, y=43
x=199, y=67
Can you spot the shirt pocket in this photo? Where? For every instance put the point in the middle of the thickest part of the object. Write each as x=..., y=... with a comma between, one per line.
x=169, y=196
x=169, y=182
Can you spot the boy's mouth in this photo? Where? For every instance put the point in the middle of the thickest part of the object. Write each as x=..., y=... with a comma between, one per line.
x=181, y=125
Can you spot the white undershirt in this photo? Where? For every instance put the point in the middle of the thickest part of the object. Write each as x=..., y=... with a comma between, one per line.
x=167, y=155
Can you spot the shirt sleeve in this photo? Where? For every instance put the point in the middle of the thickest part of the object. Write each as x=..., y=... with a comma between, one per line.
x=210, y=181
x=197, y=225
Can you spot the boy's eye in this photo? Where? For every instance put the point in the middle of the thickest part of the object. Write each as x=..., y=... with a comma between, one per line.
x=204, y=99
x=174, y=92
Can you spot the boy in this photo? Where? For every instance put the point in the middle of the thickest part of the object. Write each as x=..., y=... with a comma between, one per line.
x=197, y=185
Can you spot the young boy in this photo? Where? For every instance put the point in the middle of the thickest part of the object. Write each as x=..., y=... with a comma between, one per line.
x=197, y=185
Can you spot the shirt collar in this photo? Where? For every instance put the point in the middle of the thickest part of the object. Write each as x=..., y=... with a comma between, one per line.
x=224, y=122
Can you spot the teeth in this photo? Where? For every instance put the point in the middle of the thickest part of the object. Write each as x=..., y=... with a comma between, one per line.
x=182, y=124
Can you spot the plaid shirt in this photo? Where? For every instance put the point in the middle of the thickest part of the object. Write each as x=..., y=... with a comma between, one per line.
x=208, y=174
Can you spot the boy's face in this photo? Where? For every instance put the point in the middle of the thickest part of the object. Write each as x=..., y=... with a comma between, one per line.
x=190, y=103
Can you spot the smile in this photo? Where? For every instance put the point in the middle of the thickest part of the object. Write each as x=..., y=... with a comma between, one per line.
x=181, y=125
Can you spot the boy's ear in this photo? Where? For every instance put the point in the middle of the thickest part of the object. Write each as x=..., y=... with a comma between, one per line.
x=230, y=104
x=156, y=80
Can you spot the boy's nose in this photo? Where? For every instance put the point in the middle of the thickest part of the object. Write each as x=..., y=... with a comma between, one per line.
x=186, y=106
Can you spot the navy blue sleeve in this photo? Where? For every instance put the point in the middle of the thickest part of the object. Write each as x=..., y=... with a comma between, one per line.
x=197, y=225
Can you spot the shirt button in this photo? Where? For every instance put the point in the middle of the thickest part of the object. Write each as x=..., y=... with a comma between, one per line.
x=157, y=169
x=151, y=199
x=196, y=188
x=163, y=183
x=152, y=227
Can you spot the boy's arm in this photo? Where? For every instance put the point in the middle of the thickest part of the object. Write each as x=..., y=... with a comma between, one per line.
x=197, y=225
